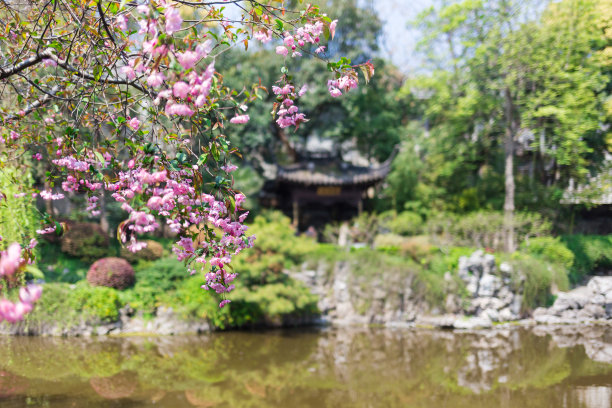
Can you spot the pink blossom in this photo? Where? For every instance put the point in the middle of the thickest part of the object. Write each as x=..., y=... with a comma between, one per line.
x=289, y=41
x=265, y=36
x=187, y=59
x=154, y=203
x=7, y=311
x=335, y=92
x=134, y=123
x=37, y=156
x=320, y=49
x=128, y=72
x=224, y=302
x=210, y=70
x=280, y=50
x=30, y=293
x=180, y=89
x=48, y=62
x=303, y=90
x=156, y=79
x=347, y=82
x=135, y=246
x=10, y=259
x=285, y=90
x=173, y=20
x=239, y=199
x=178, y=109
x=332, y=28
x=240, y=119
x=229, y=168
x=203, y=49
x=48, y=195
x=47, y=230
x=149, y=46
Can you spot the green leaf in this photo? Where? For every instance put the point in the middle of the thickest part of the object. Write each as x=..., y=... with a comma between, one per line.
x=100, y=157
x=34, y=271
x=97, y=71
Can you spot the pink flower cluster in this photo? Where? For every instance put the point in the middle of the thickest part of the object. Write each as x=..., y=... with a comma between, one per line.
x=11, y=261
x=185, y=92
x=344, y=83
x=14, y=312
x=310, y=34
x=171, y=194
x=288, y=111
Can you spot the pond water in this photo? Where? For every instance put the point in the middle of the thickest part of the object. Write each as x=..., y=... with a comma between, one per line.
x=563, y=367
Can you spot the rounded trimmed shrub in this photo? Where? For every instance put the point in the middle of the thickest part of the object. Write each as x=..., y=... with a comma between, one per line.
x=152, y=252
x=111, y=272
x=85, y=240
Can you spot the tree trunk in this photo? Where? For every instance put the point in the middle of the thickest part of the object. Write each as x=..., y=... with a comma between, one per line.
x=282, y=136
x=511, y=128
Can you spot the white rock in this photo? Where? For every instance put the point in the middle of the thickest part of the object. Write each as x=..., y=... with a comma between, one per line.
x=505, y=267
x=492, y=314
x=600, y=284
x=505, y=315
x=488, y=285
x=473, y=323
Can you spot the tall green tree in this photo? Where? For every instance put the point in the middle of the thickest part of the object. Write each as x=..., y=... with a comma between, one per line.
x=510, y=90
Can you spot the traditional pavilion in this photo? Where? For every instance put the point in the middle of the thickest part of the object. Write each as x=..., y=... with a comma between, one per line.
x=322, y=187
x=591, y=203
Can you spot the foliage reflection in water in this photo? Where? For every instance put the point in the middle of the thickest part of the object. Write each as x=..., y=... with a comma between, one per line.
x=332, y=368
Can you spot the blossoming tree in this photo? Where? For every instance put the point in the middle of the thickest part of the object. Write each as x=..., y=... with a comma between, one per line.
x=124, y=97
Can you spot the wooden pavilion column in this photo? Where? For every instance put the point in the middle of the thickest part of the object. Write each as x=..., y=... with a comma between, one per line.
x=296, y=215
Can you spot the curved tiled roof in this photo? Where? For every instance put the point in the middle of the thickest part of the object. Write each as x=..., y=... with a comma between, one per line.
x=332, y=174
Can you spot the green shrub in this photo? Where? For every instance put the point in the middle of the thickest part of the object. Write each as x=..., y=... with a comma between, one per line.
x=18, y=220
x=191, y=301
x=539, y=276
x=67, y=305
x=59, y=267
x=143, y=298
x=591, y=252
x=550, y=249
x=389, y=242
x=264, y=292
x=484, y=229
x=405, y=223
x=99, y=302
x=164, y=274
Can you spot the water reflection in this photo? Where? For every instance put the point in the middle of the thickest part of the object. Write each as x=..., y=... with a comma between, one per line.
x=566, y=367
